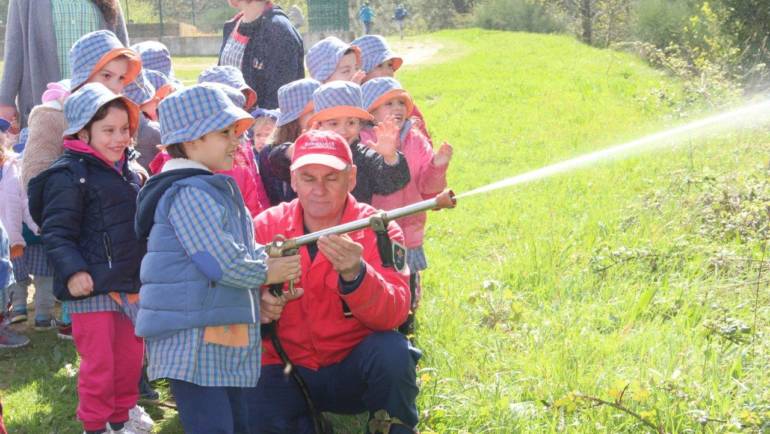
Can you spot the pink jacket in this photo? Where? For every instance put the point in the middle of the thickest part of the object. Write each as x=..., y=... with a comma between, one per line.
x=244, y=172
x=13, y=202
x=427, y=180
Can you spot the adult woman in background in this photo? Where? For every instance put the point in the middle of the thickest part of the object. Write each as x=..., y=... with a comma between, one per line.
x=261, y=42
x=38, y=37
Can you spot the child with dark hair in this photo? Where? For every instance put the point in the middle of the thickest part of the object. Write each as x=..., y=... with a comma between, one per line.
x=85, y=205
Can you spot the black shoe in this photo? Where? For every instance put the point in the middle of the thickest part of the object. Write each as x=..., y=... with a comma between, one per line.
x=146, y=392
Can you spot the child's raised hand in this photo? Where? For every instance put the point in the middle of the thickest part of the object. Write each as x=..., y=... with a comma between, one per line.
x=283, y=269
x=358, y=77
x=444, y=155
x=387, y=139
x=80, y=284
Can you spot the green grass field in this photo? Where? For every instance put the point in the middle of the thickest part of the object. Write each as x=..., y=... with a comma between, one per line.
x=626, y=297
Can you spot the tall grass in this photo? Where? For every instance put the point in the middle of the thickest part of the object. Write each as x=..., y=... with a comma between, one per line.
x=641, y=283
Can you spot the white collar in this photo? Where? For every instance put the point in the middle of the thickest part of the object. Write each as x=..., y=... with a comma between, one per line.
x=182, y=163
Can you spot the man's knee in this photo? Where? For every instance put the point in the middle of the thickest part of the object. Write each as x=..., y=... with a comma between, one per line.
x=276, y=404
x=390, y=353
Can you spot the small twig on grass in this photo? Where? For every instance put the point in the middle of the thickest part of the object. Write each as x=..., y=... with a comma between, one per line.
x=618, y=406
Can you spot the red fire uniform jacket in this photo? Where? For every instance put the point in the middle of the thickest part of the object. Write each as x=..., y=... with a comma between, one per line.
x=314, y=329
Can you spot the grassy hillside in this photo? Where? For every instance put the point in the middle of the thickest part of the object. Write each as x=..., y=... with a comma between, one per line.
x=641, y=283
x=636, y=273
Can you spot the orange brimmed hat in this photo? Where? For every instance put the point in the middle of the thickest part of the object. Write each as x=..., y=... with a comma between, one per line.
x=295, y=99
x=338, y=99
x=82, y=105
x=323, y=57
x=229, y=76
x=195, y=111
x=378, y=91
x=95, y=50
x=375, y=51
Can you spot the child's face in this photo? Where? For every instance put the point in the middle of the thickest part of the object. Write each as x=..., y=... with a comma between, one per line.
x=345, y=69
x=261, y=131
x=347, y=127
x=395, y=108
x=214, y=150
x=304, y=120
x=113, y=75
x=111, y=135
x=384, y=69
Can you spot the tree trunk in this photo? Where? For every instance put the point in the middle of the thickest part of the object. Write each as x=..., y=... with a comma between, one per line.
x=586, y=18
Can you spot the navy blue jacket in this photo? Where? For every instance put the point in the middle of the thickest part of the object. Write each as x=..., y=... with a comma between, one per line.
x=274, y=171
x=274, y=54
x=85, y=210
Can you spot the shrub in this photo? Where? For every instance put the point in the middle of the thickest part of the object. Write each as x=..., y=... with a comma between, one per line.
x=516, y=15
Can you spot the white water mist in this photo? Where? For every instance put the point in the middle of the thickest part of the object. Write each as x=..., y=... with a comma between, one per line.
x=748, y=116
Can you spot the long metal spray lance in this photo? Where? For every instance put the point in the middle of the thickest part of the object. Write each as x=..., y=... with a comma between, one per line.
x=378, y=222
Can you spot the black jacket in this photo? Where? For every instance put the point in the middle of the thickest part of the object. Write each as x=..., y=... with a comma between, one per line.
x=373, y=176
x=274, y=54
x=85, y=210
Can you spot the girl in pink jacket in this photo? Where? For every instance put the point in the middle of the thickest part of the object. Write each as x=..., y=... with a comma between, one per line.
x=385, y=99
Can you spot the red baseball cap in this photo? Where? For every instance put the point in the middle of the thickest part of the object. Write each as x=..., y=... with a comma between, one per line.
x=326, y=148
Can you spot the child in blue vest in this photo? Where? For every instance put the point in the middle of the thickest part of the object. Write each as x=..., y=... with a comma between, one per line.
x=84, y=204
x=200, y=310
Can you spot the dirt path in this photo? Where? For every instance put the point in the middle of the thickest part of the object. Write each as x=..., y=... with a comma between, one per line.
x=417, y=52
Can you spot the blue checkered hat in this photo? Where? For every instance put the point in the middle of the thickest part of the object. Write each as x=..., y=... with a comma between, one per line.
x=236, y=97
x=323, y=57
x=229, y=76
x=159, y=79
x=338, y=99
x=81, y=106
x=265, y=113
x=382, y=89
x=140, y=90
x=375, y=51
x=193, y=112
x=155, y=56
x=93, y=50
x=293, y=99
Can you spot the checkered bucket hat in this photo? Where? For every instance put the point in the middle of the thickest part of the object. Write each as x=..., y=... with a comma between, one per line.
x=96, y=49
x=193, y=112
x=140, y=90
x=323, y=57
x=155, y=56
x=81, y=106
x=338, y=99
x=375, y=51
x=162, y=83
x=378, y=91
x=229, y=76
x=236, y=97
x=296, y=99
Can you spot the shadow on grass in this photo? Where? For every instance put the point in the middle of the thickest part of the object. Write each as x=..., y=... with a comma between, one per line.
x=38, y=387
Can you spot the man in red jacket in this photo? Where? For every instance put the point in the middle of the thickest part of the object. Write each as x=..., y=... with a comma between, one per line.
x=339, y=335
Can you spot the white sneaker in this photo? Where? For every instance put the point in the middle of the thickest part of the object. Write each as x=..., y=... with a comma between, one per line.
x=139, y=421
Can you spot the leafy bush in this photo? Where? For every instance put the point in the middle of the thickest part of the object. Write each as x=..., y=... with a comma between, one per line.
x=661, y=22
x=517, y=15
